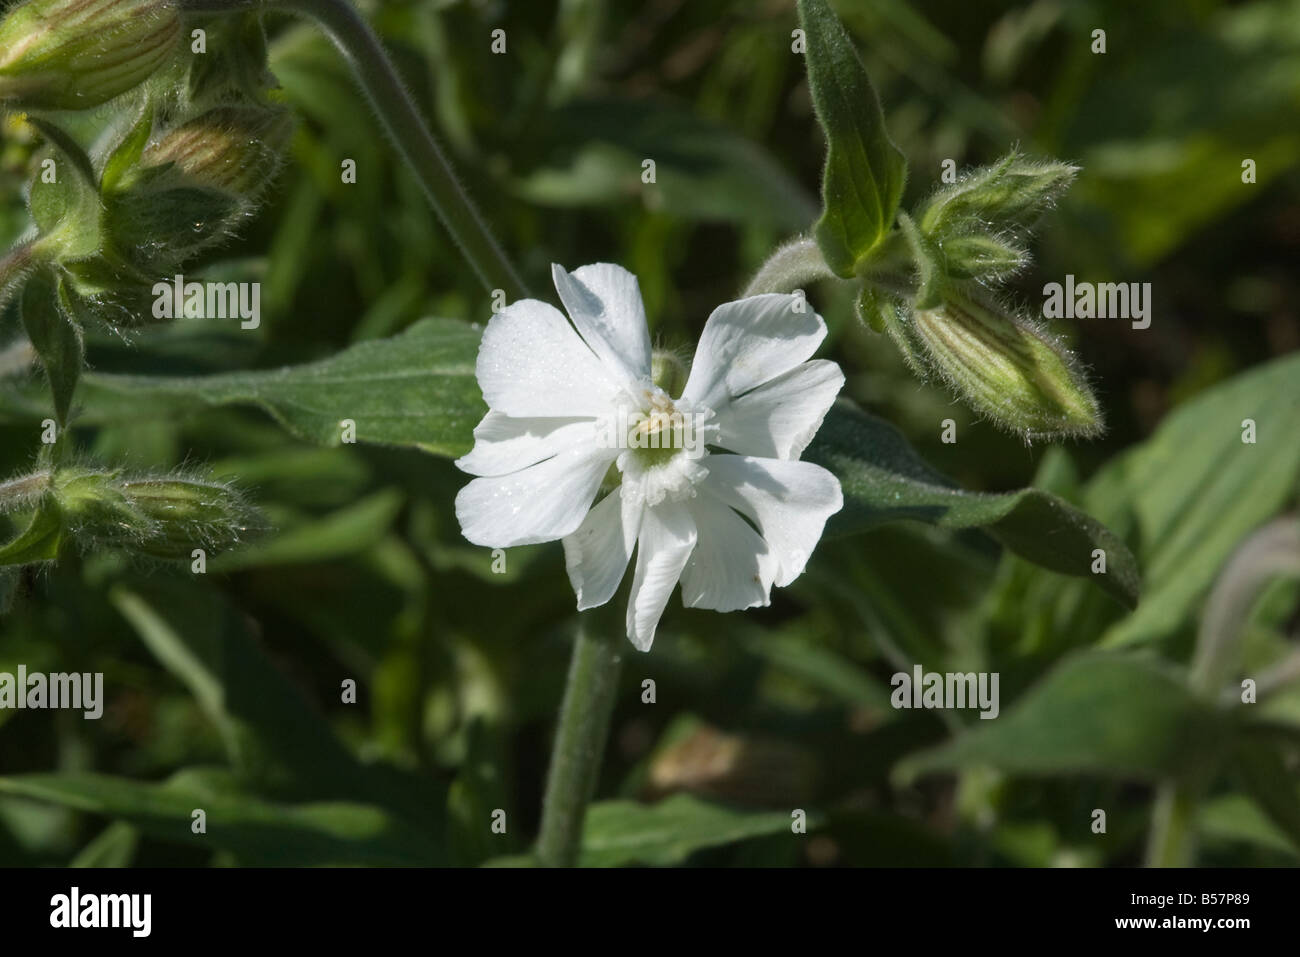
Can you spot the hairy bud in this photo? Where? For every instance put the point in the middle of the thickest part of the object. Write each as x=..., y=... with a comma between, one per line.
x=75, y=54
x=1009, y=194
x=163, y=516
x=1001, y=365
x=194, y=183
x=232, y=149
x=668, y=371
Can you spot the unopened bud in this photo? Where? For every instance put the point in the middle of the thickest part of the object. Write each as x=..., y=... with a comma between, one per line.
x=669, y=372
x=194, y=184
x=75, y=54
x=1003, y=366
x=232, y=149
x=163, y=516
x=1011, y=193
x=981, y=256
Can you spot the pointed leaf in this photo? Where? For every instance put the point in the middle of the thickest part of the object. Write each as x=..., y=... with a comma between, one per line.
x=884, y=480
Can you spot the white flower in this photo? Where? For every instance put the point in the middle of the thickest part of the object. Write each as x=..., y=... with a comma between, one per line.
x=728, y=526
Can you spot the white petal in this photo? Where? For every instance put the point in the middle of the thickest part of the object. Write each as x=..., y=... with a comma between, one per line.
x=788, y=501
x=604, y=302
x=538, y=504
x=532, y=363
x=596, y=555
x=667, y=537
x=780, y=417
x=505, y=444
x=732, y=567
x=749, y=342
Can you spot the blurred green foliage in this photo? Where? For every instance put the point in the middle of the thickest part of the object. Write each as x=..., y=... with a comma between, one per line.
x=226, y=691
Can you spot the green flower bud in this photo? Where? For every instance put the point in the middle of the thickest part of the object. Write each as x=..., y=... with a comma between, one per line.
x=981, y=256
x=1002, y=365
x=194, y=183
x=669, y=371
x=1011, y=193
x=161, y=516
x=75, y=54
x=232, y=149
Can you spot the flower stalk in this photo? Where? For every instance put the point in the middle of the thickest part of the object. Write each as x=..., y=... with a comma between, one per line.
x=378, y=79
x=579, y=742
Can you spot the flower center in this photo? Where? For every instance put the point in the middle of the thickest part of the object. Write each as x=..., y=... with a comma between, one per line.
x=664, y=443
x=660, y=432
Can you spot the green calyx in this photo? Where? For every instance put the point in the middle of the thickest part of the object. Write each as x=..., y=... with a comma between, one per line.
x=77, y=54
x=163, y=516
x=1002, y=365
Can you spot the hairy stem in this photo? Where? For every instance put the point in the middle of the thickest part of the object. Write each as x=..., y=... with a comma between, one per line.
x=793, y=264
x=579, y=743
x=378, y=79
x=24, y=491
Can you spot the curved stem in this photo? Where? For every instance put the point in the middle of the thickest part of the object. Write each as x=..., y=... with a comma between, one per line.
x=793, y=264
x=378, y=79
x=24, y=491
x=579, y=743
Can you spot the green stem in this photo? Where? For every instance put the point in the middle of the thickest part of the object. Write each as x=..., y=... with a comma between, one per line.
x=25, y=491
x=790, y=267
x=383, y=87
x=579, y=743
x=1173, y=833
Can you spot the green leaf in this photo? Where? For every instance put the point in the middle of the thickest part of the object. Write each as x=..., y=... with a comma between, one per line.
x=67, y=212
x=822, y=667
x=1236, y=818
x=593, y=152
x=929, y=265
x=1271, y=785
x=666, y=833
x=884, y=480
x=416, y=389
x=47, y=313
x=115, y=846
x=258, y=832
x=865, y=171
x=1190, y=494
x=346, y=532
x=128, y=150
x=40, y=541
x=275, y=738
x=1095, y=713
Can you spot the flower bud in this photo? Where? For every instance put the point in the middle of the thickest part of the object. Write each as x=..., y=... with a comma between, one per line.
x=1009, y=194
x=668, y=371
x=75, y=54
x=231, y=149
x=163, y=516
x=1004, y=367
x=194, y=184
x=982, y=256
